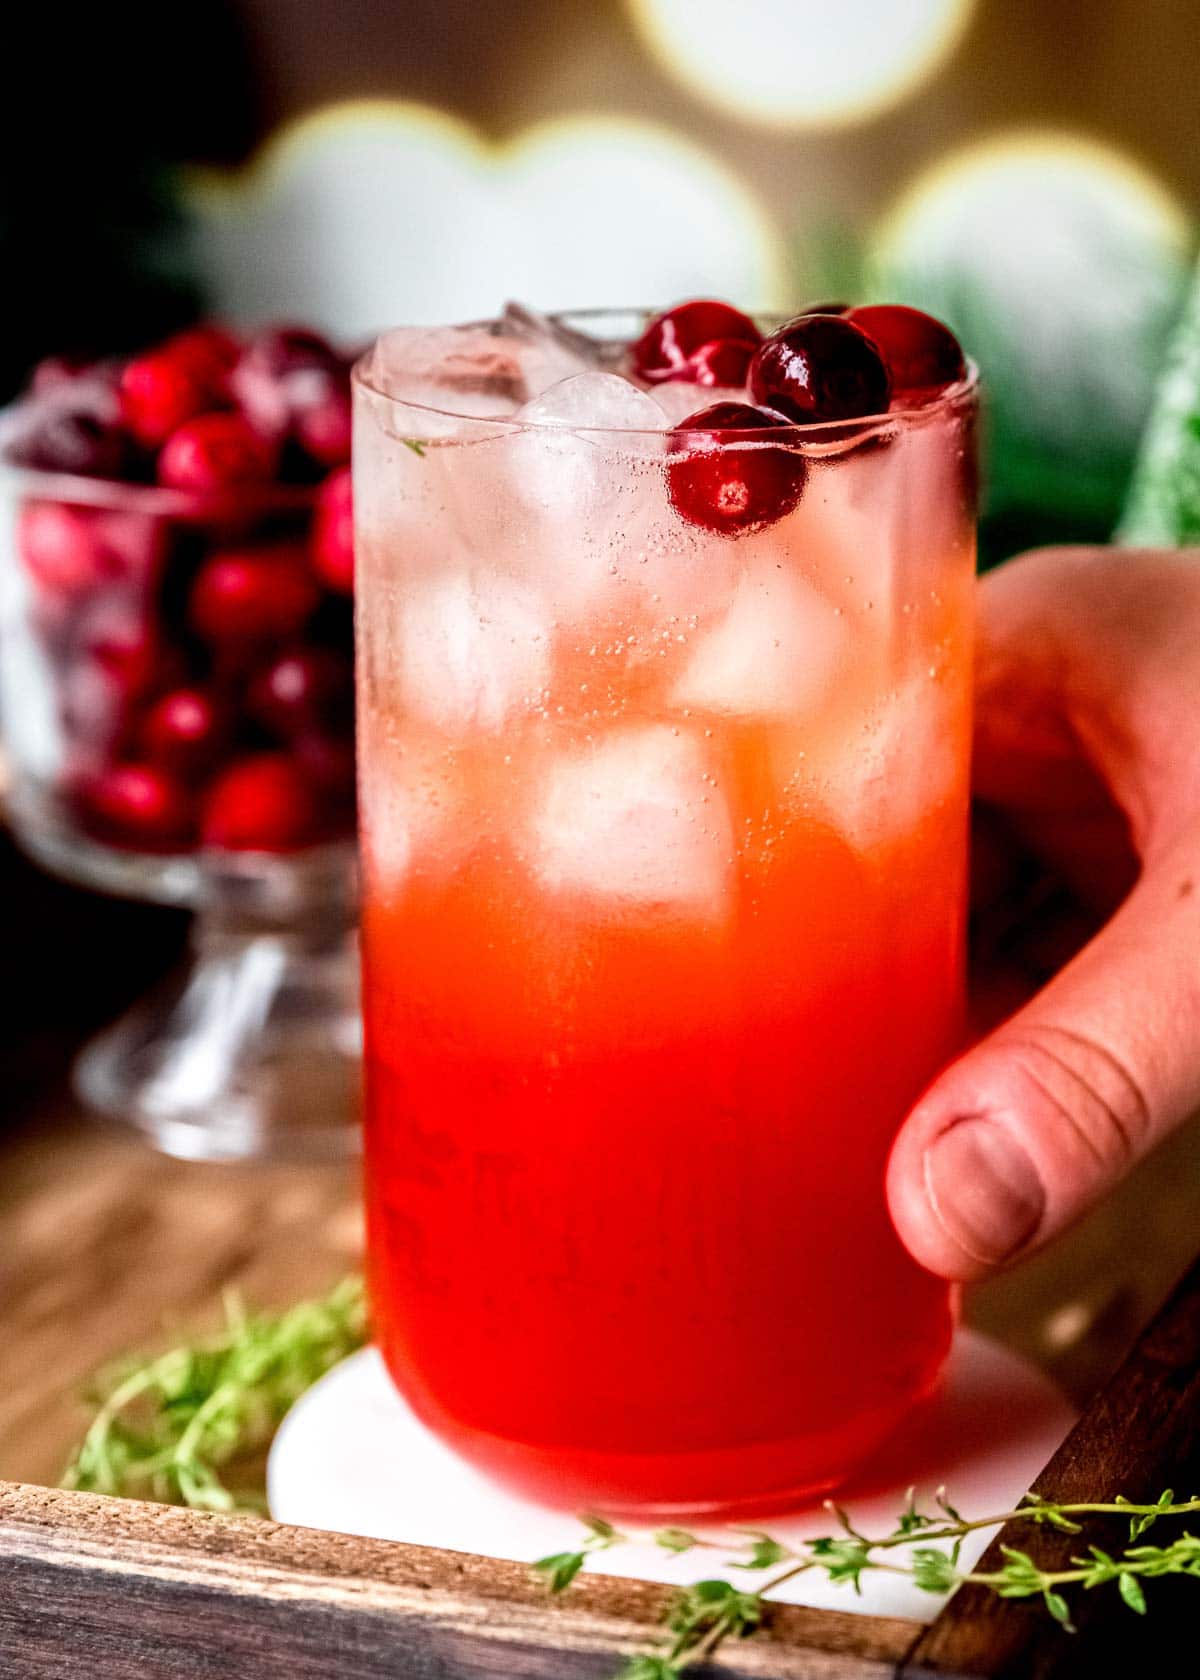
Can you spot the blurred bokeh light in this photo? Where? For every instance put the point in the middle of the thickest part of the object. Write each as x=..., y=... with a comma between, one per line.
x=801, y=63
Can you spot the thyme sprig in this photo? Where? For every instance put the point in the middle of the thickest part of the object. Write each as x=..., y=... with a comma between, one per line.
x=925, y=1546
x=166, y=1427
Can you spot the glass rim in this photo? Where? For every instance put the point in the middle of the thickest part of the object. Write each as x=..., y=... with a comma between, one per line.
x=961, y=394
x=153, y=500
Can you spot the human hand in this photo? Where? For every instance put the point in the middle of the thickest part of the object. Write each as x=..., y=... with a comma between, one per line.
x=1087, y=763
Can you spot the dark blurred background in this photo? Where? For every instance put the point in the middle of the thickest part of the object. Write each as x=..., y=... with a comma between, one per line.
x=1026, y=167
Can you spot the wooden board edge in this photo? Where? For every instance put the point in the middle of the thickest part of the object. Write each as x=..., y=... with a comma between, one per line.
x=96, y=1572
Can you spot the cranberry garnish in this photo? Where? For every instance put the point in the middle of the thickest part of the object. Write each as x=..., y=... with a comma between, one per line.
x=820, y=367
x=333, y=532
x=216, y=452
x=60, y=547
x=137, y=805
x=185, y=731
x=253, y=594
x=922, y=355
x=664, y=347
x=730, y=489
x=301, y=690
x=263, y=803
x=722, y=362
x=162, y=390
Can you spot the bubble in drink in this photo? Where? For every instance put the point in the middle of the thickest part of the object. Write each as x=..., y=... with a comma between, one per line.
x=637, y=820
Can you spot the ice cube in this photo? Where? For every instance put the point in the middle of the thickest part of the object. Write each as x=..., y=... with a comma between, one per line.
x=462, y=370
x=879, y=779
x=472, y=650
x=600, y=401
x=413, y=812
x=678, y=399
x=561, y=350
x=637, y=819
x=777, y=652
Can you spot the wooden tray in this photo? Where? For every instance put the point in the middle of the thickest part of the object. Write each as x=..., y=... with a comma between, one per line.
x=102, y=1243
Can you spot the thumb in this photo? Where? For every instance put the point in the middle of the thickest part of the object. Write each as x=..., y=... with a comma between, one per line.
x=1029, y=1129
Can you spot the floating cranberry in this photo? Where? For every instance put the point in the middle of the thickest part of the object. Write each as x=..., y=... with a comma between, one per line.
x=262, y=803
x=215, y=453
x=301, y=690
x=671, y=338
x=725, y=480
x=820, y=367
x=922, y=355
x=323, y=426
x=253, y=594
x=60, y=547
x=139, y=806
x=333, y=532
x=722, y=363
x=185, y=731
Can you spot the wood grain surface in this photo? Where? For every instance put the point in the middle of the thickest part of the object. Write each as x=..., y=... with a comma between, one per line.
x=113, y=1589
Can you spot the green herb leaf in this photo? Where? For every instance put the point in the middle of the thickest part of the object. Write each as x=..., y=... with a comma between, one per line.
x=1130, y=1589
x=675, y=1540
x=416, y=447
x=560, y=1569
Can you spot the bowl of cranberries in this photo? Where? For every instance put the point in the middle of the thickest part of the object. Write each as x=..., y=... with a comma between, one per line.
x=176, y=697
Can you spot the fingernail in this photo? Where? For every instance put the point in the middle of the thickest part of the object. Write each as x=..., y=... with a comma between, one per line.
x=984, y=1189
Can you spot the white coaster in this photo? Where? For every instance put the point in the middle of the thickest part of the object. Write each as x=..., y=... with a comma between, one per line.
x=351, y=1457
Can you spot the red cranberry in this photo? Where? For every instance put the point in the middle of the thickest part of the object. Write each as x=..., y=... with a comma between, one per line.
x=328, y=762
x=118, y=635
x=216, y=452
x=185, y=731
x=301, y=690
x=208, y=347
x=323, y=426
x=722, y=362
x=60, y=548
x=263, y=803
x=820, y=367
x=253, y=594
x=284, y=349
x=922, y=355
x=726, y=489
x=333, y=532
x=164, y=389
x=672, y=337
x=134, y=544
x=137, y=805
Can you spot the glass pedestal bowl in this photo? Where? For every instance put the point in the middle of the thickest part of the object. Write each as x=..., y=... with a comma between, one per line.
x=151, y=755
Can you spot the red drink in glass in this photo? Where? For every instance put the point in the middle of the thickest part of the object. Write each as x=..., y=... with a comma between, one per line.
x=664, y=839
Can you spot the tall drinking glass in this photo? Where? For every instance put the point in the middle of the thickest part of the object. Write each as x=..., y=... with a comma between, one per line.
x=664, y=847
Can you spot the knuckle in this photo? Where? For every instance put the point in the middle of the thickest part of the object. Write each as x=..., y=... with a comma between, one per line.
x=1089, y=1087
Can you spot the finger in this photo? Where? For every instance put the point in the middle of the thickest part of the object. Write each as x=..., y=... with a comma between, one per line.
x=1028, y=1129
